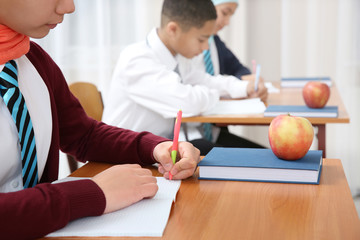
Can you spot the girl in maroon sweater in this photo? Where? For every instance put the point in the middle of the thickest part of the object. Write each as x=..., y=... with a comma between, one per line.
x=60, y=123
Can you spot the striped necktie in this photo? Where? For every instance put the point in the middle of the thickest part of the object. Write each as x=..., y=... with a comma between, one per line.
x=10, y=92
x=208, y=63
x=207, y=127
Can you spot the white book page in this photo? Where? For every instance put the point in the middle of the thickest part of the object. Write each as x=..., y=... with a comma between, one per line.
x=271, y=88
x=145, y=218
x=246, y=106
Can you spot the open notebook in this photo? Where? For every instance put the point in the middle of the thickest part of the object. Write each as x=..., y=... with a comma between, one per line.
x=145, y=218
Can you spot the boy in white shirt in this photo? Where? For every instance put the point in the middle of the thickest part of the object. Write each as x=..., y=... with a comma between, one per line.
x=148, y=85
x=223, y=61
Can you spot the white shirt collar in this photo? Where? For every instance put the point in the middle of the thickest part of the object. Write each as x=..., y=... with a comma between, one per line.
x=160, y=50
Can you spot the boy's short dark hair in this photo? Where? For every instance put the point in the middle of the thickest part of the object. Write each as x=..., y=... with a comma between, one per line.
x=188, y=13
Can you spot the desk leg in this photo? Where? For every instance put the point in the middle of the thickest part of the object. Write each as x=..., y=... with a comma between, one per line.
x=321, y=136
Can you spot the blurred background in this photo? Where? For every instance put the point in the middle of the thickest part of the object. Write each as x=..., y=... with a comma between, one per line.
x=288, y=38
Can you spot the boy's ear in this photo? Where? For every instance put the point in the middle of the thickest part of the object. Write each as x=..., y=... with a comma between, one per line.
x=173, y=29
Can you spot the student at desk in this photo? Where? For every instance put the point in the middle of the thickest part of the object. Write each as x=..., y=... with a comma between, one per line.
x=150, y=85
x=39, y=116
x=219, y=60
x=223, y=61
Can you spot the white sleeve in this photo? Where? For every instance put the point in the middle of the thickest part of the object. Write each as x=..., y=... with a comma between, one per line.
x=227, y=86
x=151, y=84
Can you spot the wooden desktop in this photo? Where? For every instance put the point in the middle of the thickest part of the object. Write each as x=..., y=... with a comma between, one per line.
x=286, y=96
x=207, y=209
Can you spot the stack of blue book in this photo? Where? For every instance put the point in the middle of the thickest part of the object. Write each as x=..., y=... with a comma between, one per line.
x=259, y=165
x=301, y=81
x=301, y=111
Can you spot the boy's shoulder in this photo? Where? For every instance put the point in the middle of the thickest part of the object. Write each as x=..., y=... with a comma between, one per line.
x=137, y=52
x=135, y=49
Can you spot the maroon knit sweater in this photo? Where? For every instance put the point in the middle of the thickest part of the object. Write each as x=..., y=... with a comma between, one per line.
x=35, y=212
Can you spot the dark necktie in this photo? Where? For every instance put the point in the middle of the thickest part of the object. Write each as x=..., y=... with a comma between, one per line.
x=10, y=92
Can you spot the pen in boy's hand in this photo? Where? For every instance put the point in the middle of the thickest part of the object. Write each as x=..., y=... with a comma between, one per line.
x=258, y=69
x=176, y=139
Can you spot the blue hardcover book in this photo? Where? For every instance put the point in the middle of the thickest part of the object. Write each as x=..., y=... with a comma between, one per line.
x=301, y=111
x=301, y=81
x=259, y=165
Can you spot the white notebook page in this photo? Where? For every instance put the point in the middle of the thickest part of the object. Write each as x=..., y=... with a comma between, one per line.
x=145, y=218
x=246, y=106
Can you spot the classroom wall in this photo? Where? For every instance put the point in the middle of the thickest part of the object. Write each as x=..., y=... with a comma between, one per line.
x=255, y=33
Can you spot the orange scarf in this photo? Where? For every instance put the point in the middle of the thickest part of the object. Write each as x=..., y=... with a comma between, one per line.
x=12, y=44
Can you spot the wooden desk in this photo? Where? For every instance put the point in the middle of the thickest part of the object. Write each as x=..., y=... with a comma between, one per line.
x=287, y=96
x=249, y=210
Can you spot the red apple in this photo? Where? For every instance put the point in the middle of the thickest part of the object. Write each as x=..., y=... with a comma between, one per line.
x=316, y=94
x=290, y=137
